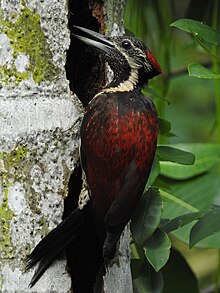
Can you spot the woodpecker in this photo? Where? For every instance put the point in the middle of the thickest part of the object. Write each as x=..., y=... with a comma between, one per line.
x=118, y=142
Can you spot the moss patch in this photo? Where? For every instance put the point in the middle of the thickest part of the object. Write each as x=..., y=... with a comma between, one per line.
x=26, y=37
x=8, y=170
x=12, y=159
x=1, y=281
x=11, y=74
x=5, y=217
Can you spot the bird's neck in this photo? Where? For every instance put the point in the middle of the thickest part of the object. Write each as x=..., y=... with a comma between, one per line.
x=125, y=81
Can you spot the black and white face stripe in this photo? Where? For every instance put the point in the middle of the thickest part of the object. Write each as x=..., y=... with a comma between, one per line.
x=135, y=56
x=135, y=64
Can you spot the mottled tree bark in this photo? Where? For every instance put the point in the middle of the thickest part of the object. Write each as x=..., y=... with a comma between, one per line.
x=39, y=137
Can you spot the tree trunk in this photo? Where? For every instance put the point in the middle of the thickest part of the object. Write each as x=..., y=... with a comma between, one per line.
x=39, y=135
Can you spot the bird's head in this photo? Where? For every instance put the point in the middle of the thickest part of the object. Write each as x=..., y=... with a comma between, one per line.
x=124, y=54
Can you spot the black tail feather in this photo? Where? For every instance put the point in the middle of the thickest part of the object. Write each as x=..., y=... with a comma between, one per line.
x=86, y=263
x=68, y=233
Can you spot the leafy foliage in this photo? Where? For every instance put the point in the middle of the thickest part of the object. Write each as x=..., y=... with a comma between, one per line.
x=171, y=154
x=200, y=71
x=207, y=225
x=147, y=216
x=157, y=249
x=206, y=156
x=182, y=194
x=203, y=31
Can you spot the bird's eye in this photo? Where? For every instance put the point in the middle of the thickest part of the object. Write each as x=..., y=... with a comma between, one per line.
x=126, y=44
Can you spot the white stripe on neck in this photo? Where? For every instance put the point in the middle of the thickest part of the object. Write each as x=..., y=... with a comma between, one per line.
x=125, y=86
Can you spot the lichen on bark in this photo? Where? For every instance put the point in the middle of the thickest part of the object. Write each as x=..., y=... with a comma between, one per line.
x=9, y=168
x=26, y=39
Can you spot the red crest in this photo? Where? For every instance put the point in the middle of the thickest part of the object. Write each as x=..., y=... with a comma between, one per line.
x=153, y=61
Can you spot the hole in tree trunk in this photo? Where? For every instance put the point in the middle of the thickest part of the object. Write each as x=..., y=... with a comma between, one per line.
x=84, y=66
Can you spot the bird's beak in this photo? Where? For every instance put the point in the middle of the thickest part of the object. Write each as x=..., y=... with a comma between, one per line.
x=92, y=38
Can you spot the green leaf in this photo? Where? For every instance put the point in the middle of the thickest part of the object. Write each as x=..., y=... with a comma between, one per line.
x=178, y=222
x=204, y=47
x=137, y=252
x=155, y=170
x=199, y=192
x=178, y=276
x=208, y=225
x=148, y=281
x=202, y=30
x=167, y=153
x=161, y=184
x=198, y=70
x=178, y=201
x=157, y=249
x=147, y=216
x=206, y=155
x=164, y=126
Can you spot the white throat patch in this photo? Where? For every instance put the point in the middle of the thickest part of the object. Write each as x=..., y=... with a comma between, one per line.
x=125, y=86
